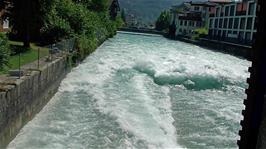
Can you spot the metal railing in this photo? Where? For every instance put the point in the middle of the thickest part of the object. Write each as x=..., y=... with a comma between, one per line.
x=64, y=47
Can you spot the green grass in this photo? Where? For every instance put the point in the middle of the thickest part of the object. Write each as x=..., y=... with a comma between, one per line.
x=28, y=56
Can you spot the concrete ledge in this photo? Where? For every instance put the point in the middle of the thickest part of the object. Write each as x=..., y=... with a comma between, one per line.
x=147, y=31
x=15, y=73
x=225, y=47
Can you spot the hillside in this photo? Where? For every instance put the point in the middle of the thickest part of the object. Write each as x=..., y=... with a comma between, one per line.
x=147, y=10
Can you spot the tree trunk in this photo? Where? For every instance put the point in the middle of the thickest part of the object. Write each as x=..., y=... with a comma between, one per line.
x=26, y=41
x=26, y=44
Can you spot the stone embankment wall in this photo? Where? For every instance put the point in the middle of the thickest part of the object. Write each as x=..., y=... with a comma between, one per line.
x=146, y=31
x=230, y=48
x=21, y=99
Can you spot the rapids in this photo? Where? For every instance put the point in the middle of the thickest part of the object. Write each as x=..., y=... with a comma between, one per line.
x=141, y=91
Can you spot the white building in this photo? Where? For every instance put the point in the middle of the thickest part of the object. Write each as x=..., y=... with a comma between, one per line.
x=233, y=22
x=190, y=16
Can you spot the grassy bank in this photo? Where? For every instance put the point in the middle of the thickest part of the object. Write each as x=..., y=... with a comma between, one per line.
x=28, y=56
x=89, y=22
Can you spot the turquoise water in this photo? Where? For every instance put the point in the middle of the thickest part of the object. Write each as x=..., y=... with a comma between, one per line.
x=140, y=91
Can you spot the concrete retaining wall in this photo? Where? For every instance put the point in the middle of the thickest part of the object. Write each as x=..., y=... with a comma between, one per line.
x=25, y=97
x=230, y=48
x=135, y=30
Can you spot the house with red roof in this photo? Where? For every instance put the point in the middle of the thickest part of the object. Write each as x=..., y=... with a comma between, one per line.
x=4, y=24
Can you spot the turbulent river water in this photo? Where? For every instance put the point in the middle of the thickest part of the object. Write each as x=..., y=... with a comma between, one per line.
x=141, y=91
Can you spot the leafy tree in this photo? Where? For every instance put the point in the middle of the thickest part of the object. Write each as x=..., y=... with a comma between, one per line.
x=99, y=5
x=4, y=51
x=163, y=22
x=26, y=17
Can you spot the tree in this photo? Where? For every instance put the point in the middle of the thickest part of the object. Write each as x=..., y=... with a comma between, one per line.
x=26, y=17
x=99, y=5
x=163, y=22
x=4, y=51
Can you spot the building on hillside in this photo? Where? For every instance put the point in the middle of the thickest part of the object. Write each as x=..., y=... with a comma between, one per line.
x=233, y=22
x=4, y=24
x=131, y=21
x=189, y=17
x=114, y=9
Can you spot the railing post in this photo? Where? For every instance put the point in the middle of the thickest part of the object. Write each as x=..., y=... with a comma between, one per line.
x=19, y=64
x=38, y=58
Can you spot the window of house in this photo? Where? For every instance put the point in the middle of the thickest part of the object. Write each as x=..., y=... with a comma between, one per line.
x=248, y=36
x=251, y=10
x=186, y=23
x=217, y=11
x=232, y=10
x=249, y=23
x=224, y=34
x=181, y=22
x=211, y=23
x=222, y=12
x=216, y=32
x=216, y=23
x=225, y=23
x=211, y=32
x=220, y=23
x=230, y=23
x=236, y=23
x=241, y=36
x=219, y=33
x=196, y=8
x=226, y=11
x=242, y=23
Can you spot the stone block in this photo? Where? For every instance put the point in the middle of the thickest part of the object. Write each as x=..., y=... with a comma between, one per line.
x=3, y=102
x=16, y=73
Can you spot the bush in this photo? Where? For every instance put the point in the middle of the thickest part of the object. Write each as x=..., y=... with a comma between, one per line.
x=91, y=26
x=57, y=29
x=202, y=31
x=86, y=45
x=4, y=51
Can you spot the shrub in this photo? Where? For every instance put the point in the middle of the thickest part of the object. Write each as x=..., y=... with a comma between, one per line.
x=85, y=45
x=202, y=31
x=56, y=30
x=91, y=26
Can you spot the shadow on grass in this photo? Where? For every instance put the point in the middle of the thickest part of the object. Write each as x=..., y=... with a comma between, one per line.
x=16, y=49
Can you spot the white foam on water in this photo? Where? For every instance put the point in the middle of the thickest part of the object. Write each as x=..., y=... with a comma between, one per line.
x=147, y=122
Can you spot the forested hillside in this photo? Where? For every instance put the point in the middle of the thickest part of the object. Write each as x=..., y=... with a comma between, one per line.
x=148, y=10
